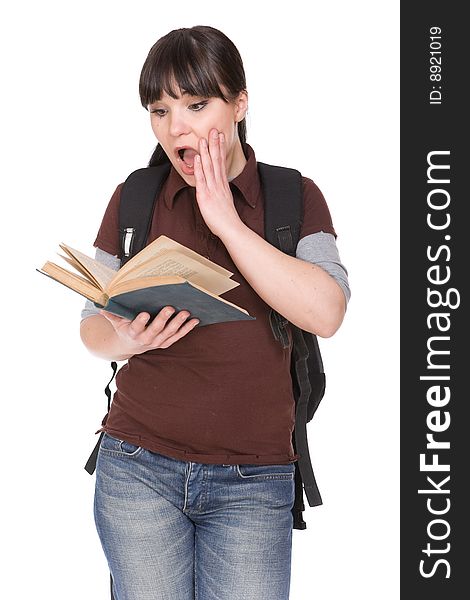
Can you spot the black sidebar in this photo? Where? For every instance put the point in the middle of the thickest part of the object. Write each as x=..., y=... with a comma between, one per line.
x=435, y=320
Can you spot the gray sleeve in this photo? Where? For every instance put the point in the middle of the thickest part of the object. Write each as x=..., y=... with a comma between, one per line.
x=113, y=262
x=320, y=249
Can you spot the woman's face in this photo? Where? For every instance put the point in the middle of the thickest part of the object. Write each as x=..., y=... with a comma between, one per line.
x=182, y=122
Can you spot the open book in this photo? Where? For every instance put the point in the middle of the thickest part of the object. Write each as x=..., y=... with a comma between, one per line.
x=164, y=273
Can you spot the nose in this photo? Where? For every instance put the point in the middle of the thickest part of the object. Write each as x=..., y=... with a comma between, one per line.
x=179, y=123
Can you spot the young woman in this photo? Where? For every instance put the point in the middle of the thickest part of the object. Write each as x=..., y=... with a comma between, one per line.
x=195, y=473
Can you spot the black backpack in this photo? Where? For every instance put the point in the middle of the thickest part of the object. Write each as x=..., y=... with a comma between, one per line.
x=282, y=192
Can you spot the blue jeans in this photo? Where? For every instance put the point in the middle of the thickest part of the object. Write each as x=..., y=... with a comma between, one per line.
x=176, y=530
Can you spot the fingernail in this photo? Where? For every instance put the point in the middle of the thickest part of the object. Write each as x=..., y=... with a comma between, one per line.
x=221, y=137
x=215, y=134
x=204, y=142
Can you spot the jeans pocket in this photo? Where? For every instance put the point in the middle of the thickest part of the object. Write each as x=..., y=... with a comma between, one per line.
x=252, y=472
x=117, y=446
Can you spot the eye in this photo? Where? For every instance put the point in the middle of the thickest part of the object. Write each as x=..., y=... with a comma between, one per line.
x=160, y=112
x=198, y=106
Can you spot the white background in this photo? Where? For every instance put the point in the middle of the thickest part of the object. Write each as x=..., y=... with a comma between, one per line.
x=323, y=98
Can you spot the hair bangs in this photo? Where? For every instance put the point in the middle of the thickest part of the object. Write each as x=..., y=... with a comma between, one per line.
x=179, y=67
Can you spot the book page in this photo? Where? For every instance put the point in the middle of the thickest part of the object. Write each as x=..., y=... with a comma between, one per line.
x=100, y=274
x=176, y=263
x=166, y=243
x=139, y=284
x=163, y=244
x=72, y=281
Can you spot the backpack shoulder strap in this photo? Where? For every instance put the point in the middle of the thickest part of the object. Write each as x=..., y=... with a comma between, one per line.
x=282, y=192
x=283, y=201
x=283, y=197
x=138, y=196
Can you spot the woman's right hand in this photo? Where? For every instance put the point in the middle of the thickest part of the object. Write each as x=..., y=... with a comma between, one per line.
x=138, y=336
x=115, y=338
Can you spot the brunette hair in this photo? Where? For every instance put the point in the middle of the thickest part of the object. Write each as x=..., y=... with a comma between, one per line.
x=198, y=60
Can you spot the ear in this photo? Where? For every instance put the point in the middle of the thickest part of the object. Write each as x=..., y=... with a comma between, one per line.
x=241, y=106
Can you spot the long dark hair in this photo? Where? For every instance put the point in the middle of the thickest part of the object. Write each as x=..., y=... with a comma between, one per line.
x=198, y=60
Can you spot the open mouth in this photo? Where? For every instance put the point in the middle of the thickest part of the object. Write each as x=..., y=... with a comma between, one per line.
x=187, y=155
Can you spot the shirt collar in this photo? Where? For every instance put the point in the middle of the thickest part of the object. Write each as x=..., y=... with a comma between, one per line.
x=247, y=182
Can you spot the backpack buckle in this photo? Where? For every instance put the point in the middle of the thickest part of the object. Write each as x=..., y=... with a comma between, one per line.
x=127, y=239
x=279, y=328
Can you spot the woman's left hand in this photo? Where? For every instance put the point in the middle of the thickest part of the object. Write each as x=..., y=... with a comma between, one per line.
x=213, y=193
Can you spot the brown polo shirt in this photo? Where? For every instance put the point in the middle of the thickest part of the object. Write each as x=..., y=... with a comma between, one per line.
x=222, y=394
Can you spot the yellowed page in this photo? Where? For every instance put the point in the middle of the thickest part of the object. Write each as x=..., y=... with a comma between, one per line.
x=129, y=285
x=176, y=263
x=166, y=243
x=78, y=266
x=91, y=268
x=74, y=282
x=163, y=244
